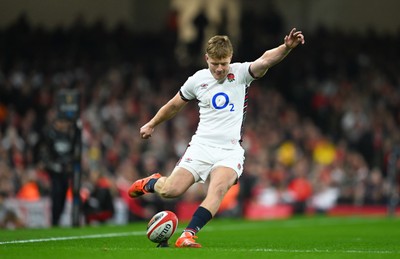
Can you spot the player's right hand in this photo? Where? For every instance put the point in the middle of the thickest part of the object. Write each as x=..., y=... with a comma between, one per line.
x=146, y=131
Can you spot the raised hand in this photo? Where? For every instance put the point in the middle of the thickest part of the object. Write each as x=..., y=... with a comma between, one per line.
x=294, y=38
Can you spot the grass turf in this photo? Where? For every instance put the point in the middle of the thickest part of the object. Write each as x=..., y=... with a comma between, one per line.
x=308, y=237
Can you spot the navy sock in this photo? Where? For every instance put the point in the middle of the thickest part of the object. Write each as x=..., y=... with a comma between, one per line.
x=200, y=218
x=150, y=185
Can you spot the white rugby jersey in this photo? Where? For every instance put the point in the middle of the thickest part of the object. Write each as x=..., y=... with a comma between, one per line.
x=222, y=105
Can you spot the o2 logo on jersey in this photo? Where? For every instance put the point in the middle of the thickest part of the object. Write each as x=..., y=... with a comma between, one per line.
x=221, y=101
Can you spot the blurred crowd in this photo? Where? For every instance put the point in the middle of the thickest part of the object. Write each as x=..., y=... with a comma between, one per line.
x=320, y=127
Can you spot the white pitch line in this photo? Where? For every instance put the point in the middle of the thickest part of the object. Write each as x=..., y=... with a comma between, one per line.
x=210, y=228
x=137, y=233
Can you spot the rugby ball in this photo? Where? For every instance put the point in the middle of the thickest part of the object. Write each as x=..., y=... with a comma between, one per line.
x=162, y=226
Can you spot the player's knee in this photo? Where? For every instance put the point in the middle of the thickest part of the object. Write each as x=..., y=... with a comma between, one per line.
x=220, y=190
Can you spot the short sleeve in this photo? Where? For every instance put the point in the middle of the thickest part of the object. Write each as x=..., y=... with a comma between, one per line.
x=187, y=90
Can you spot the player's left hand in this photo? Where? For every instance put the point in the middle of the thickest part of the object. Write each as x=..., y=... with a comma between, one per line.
x=294, y=38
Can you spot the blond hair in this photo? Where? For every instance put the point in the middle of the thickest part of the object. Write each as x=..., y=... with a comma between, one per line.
x=219, y=47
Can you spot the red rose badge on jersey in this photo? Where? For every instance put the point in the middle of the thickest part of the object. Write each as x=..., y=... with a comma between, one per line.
x=231, y=77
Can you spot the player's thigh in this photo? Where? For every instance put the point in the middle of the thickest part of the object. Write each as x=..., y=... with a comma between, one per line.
x=177, y=183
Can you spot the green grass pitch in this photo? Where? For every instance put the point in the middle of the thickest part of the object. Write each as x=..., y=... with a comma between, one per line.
x=303, y=237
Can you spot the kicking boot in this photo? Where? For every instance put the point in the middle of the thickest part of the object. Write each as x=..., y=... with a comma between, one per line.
x=137, y=188
x=187, y=240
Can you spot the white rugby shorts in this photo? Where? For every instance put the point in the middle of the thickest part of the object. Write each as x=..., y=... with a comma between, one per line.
x=201, y=160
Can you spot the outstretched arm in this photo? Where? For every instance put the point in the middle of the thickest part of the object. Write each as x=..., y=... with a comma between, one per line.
x=273, y=56
x=169, y=110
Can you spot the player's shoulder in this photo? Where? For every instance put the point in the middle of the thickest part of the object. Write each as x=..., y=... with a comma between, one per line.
x=202, y=73
x=239, y=65
x=241, y=70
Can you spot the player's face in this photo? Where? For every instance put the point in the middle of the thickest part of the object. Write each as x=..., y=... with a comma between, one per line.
x=219, y=68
